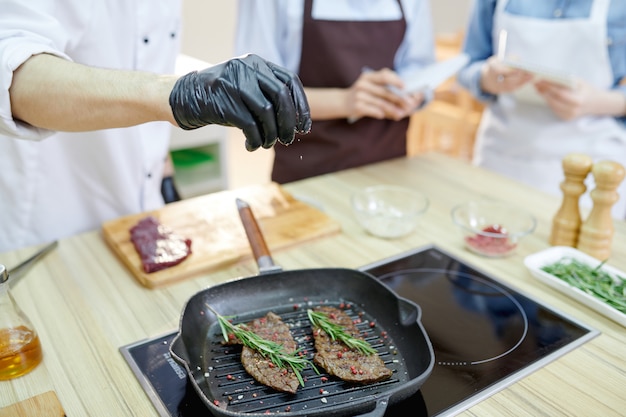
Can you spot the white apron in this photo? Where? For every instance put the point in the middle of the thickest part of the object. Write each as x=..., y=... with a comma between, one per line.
x=525, y=140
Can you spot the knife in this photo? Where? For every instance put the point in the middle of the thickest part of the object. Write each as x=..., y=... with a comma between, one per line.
x=255, y=238
x=18, y=271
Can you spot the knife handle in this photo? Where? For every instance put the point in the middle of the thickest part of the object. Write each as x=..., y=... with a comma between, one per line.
x=253, y=231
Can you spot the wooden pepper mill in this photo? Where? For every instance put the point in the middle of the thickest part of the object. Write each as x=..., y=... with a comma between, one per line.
x=566, y=223
x=596, y=233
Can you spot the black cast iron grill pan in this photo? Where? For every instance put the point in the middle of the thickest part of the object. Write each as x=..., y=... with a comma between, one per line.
x=220, y=380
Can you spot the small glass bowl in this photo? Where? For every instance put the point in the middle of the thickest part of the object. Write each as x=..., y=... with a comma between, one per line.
x=492, y=228
x=388, y=211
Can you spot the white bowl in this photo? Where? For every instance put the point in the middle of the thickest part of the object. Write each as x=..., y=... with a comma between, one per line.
x=492, y=228
x=389, y=211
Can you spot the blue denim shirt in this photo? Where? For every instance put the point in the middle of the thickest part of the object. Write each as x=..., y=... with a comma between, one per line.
x=478, y=40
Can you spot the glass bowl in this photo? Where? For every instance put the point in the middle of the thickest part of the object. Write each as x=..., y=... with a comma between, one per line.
x=388, y=211
x=492, y=228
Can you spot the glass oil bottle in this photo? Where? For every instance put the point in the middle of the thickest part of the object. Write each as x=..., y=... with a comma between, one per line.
x=20, y=348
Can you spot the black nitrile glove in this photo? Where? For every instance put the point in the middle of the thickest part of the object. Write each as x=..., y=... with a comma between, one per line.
x=263, y=99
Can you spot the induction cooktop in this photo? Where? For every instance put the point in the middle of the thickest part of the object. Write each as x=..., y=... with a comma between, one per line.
x=486, y=335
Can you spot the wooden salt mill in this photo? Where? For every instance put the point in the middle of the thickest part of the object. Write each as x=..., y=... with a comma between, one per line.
x=566, y=223
x=596, y=233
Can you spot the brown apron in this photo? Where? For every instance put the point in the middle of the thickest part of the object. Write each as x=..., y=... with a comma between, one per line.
x=333, y=55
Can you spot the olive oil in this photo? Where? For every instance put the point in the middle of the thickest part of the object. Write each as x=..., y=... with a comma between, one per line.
x=20, y=348
x=20, y=352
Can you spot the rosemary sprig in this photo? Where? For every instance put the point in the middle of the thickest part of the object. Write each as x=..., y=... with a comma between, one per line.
x=336, y=332
x=594, y=281
x=271, y=350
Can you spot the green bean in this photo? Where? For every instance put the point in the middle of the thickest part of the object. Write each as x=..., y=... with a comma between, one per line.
x=607, y=287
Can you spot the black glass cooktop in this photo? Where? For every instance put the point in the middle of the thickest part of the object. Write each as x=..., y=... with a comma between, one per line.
x=485, y=334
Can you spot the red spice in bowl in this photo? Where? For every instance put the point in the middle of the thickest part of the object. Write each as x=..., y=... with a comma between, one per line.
x=492, y=228
x=494, y=241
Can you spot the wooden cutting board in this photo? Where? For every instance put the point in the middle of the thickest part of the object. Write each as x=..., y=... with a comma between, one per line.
x=218, y=237
x=42, y=405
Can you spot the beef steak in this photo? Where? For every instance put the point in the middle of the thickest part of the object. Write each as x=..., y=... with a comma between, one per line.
x=270, y=327
x=158, y=246
x=341, y=361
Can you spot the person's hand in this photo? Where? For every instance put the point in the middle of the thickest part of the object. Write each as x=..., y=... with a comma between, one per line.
x=267, y=102
x=571, y=103
x=378, y=94
x=497, y=78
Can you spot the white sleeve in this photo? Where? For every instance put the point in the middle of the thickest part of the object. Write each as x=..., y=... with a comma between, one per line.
x=25, y=30
x=418, y=47
x=271, y=29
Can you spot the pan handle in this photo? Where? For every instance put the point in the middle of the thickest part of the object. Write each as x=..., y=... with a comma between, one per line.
x=178, y=351
x=409, y=311
x=379, y=409
x=255, y=238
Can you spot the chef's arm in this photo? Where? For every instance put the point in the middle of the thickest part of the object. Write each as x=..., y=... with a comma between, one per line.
x=609, y=103
x=56, y=94
x=621, y=88
x=583, y=99
x=264, y=100
x=328, y=103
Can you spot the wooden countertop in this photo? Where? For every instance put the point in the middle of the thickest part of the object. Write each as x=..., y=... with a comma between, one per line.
x=85, y=304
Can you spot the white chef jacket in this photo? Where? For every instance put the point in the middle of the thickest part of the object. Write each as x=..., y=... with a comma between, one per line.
x=273, y=28
x=56, y=184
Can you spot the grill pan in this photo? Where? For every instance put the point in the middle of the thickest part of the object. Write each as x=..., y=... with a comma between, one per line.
x=391, y=324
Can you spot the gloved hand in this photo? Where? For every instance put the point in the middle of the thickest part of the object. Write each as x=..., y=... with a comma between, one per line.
x=263, y=99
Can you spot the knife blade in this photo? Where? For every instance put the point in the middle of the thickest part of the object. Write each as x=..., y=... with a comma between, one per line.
x=19, y=270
